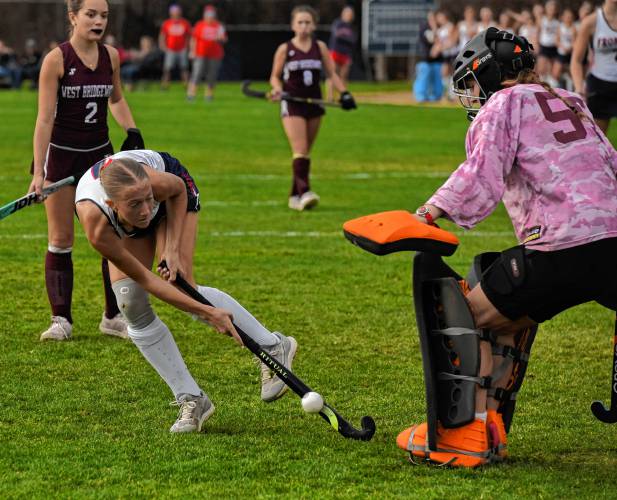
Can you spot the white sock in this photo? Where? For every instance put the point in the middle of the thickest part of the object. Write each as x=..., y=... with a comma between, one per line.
x=242, y=317
x=481, y=416
x=158, y=346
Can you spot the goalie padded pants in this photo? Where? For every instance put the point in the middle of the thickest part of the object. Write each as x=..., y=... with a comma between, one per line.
x=525, y=282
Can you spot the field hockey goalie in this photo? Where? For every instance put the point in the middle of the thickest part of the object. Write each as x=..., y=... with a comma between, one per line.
x=456, y=431
x=450, y=345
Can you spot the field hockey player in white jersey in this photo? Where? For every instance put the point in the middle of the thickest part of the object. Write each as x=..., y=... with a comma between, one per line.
x=600, y=86
x=136, y=204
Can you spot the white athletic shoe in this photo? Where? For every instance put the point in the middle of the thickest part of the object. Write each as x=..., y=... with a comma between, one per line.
x=304, y=202
x=309, y=200
x=60, y=329
x=115, y=326
x=294, y=203
x=194, y=411
x=272, y=387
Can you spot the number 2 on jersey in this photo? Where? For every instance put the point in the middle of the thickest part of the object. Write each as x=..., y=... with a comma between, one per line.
x=92, y=106
x=562, y=136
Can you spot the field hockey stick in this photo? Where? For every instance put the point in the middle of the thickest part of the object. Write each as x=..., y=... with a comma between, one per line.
x=259, y=94
x=30, y=198
x=601, y=412
x=328, y=413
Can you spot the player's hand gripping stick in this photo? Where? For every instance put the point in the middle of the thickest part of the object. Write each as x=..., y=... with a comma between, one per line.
x=30, y=198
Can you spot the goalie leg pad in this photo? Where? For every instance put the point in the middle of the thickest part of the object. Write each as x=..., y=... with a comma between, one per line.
x=455, y=347
x=450, y=345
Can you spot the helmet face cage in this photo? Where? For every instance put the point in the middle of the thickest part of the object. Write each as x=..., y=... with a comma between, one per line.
x=463, y=88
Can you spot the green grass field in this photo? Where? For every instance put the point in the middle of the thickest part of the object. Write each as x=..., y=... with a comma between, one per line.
x=90, y=418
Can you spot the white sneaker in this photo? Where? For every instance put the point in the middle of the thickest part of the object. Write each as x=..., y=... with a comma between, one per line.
x=294, y=203
x=272, y=387
x=60, y=329
x=115, y=326
x=194, y=411
x=308, y=200
x=304, y=202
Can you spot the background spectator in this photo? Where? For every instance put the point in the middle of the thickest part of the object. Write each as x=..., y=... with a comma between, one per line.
x=468, y=27
x=427, y=85
x=486, y=19
x=505, y=22
x=123, y=54
x=173, y=40
x=144, y=63
x=565, y=40
x=10, y=71
x=528, y=28
x=30, y=63
x=549, y=29
x=207, y=52
x=447, y=43
x=343, y=38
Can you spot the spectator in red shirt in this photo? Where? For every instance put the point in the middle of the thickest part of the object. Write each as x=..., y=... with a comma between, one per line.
x=207, y=52
x=173, y=40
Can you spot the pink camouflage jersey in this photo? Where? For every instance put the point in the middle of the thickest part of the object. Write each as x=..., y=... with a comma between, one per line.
x=555, y=172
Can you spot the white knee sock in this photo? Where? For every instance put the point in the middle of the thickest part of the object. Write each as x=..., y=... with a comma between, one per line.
x=159, y=347
x=242, y=317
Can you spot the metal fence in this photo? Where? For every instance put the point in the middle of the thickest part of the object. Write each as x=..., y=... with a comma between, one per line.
x=391, y=27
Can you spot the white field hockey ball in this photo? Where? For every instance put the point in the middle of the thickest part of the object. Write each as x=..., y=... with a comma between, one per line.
x=312, y=402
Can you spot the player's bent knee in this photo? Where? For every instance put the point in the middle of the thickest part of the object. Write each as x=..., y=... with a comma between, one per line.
x=133, y=303
x=149, y=335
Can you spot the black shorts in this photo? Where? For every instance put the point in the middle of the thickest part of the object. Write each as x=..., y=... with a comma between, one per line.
x=564, y=58
x=548, y=52
x=601, y=97
x=524, y=282
x=173, y=166
x=62, y=162
x=302, y=109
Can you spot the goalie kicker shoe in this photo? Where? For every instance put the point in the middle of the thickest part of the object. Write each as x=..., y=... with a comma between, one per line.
x=115, y=326
x=272, y=387
x=194, y=411
x=468, y=446
x=60, y=329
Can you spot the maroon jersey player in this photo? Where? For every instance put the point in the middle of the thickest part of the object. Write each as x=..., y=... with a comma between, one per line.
x=79, y=79
x=296, y=71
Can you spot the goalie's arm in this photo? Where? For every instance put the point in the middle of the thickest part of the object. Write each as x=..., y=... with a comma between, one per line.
x=105, y=241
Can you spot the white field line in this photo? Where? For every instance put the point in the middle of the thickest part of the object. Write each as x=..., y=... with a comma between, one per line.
x=361, y=176
x=258, y=203
x=274, y=234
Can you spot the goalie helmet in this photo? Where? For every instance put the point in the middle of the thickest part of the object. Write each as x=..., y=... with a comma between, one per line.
x=487, y=60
